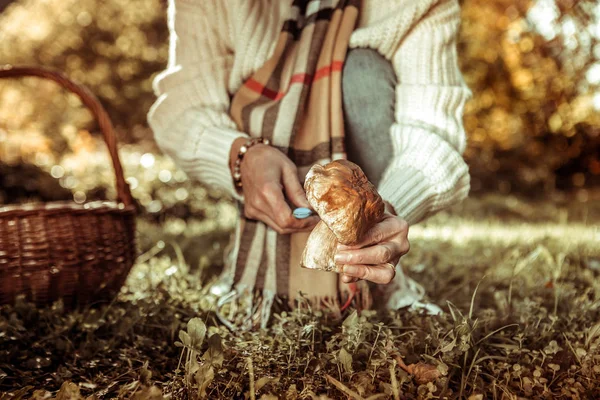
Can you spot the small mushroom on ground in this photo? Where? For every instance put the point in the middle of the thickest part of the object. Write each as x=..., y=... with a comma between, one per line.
x=348, y=205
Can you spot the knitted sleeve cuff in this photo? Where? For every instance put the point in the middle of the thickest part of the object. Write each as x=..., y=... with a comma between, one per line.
x=426, y=176
x=212, y=166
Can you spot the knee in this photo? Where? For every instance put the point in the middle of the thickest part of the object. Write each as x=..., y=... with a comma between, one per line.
x=357, y=60
x=367, y=64
x=368, y=79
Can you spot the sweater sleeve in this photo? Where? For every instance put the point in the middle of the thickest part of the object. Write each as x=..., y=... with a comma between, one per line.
x=189, y=118
x=427, y=172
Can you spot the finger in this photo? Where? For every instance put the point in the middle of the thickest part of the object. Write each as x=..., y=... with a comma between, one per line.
x=256, y=212
x=279, y=211
x=298, y=225
x=377, y=254
x=293, y=189
x=282, y=230
x=307, y=224
x=387, y=228
x=274, y=203
x=349, y=279
x=381, y=274
x=262, y=217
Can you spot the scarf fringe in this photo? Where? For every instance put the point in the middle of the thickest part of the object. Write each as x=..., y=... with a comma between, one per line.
x=244, y=309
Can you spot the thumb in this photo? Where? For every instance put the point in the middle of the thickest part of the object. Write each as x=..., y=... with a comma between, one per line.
x=293, y=189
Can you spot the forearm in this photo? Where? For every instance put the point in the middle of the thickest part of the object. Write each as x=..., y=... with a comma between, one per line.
x=428, y=172
x=190, y=118
x=199, y=145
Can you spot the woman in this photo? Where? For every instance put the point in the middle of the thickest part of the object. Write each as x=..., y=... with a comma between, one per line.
x=377, y=80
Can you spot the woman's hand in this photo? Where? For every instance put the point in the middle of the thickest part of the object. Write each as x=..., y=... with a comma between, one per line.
x=266, y=175
x=375, y=257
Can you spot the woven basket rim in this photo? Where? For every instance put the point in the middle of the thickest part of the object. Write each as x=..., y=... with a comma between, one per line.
x=81, y=252
x=59, y=207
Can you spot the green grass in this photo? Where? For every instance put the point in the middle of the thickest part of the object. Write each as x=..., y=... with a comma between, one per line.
x=518, y=282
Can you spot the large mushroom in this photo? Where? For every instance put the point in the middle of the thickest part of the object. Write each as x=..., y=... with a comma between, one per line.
x=348, y=205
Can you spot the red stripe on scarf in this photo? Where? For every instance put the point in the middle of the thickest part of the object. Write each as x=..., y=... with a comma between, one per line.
x=304, y=79
x=327, y=70
x=254, y=85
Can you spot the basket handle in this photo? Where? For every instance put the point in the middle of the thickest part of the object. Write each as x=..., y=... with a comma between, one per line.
x=93, y=104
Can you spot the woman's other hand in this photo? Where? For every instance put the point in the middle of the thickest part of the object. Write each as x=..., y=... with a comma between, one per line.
x=375, y=257
x=268, y=177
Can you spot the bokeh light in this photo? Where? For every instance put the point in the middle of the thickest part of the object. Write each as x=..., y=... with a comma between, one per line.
x=533, y=66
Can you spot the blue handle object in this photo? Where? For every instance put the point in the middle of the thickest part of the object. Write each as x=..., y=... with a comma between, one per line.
x=302, y=212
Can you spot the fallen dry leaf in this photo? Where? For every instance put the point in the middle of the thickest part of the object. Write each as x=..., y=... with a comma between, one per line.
x=149, y=393
x=476, y=397
x=68, y=391
x=422, y=372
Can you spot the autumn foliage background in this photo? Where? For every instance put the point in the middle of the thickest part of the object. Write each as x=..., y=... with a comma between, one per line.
x=516, y=267
x=533, y=67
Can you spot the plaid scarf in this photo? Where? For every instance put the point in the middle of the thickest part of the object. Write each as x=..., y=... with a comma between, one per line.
x=294, y=100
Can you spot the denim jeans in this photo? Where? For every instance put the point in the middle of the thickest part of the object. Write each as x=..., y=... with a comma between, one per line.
x=368, y=96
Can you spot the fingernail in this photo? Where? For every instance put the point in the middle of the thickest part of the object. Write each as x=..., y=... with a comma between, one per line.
x=351, y=270
x=302, y=212
x=341, y=258
x=342, y=247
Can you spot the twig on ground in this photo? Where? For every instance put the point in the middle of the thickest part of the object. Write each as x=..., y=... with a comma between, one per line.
x=343, y=387
x=251, y=377
x=395, y=388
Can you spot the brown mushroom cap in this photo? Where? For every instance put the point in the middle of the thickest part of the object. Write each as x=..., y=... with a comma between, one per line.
x=344, y=199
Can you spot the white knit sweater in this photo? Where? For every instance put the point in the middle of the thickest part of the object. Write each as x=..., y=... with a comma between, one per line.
x=216, y=44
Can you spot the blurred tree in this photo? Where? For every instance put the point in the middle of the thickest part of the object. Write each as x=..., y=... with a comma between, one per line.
x=533, y=121
x=113, y=47
x=4, y=4
x=533, y=66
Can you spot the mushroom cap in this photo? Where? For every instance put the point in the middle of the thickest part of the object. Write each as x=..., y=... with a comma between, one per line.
x=344, y=199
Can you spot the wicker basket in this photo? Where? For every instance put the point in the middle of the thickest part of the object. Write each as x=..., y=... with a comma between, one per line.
x=81, y=253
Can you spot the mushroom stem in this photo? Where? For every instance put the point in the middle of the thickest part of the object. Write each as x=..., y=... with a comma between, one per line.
x=320, y=249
